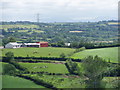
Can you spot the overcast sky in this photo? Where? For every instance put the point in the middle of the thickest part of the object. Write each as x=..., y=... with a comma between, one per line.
x=59, y=10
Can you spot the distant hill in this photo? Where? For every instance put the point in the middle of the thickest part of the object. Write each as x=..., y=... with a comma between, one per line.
x=65, y=31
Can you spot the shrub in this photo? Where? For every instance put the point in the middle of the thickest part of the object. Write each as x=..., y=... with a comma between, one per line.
x=9, y=56
x=9, y=69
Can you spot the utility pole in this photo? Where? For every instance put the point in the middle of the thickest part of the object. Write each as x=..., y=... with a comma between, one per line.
x=38, y=18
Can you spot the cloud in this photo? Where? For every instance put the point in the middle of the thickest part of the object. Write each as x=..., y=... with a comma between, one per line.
x=58, y=9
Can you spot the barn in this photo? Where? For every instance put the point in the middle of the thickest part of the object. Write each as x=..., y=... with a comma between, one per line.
x=43, y=44
x=30, y=45
x=13, y=45
x=18, y=45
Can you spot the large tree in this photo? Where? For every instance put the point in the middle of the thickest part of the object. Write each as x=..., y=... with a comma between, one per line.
x=94, y=69
x=9, y=56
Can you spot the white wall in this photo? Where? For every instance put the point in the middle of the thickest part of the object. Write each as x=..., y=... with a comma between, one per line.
x=11, y=46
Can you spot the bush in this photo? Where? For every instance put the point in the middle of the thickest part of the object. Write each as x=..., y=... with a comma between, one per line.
x=62, y=55
x=17, y=65
x=79, y=49
x=9, y=69
x=9, y=56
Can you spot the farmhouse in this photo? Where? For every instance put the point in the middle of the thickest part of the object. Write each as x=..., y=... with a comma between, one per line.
x=13, y=45
x=18, y=45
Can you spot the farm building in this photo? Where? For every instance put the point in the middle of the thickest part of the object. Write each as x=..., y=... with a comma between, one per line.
x=67, y=44
x=43, y=44
x=30, y=45
x=13, y=45
x=18, y=45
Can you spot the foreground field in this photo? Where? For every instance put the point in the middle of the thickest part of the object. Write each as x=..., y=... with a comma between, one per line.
x=0, y=75
x=15, y=82
x=46, y=67
x=111, y=82
x=61, y=81
x=106, y=53
x=40, y=52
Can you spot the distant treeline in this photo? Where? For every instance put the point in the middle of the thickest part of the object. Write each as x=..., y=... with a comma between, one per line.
x=54, y=32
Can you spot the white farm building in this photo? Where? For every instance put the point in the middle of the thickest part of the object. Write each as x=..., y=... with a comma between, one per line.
x=19, y=45
x=13, y=45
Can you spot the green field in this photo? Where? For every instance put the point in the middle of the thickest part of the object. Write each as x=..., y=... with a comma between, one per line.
x=105, y=53
x=16, y=82
x=111, y=82
x=46, y=67
x=40, y=52
x=0, y=76
x=31, y=26
x=61, y=81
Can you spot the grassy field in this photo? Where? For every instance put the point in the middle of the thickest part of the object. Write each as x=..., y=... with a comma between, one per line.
x=105, y=53
x=61, y=81
x=41, y=52
x=0, y=75
x=46, y=67
x=18, y=25
x=16, y=82
x=111, y=82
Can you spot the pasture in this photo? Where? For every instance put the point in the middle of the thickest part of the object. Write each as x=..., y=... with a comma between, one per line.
x=46, y=67
x=106, y=53
x=16, y=82
x=18, y=25
x=0, y=75
x=111, y=82
x=61, y=81
x=38, y=52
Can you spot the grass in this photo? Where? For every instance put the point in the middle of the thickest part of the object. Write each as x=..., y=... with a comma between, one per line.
x=16, y=82
x=61, y=81
x=0, y=75
x=41, y=52
x=46, y=67
x=22, y=30
x=18, y=25
x=0, y=67
x=111, y=82
x=106, y=53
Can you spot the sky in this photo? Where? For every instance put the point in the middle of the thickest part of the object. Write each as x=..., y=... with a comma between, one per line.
x=59, y=10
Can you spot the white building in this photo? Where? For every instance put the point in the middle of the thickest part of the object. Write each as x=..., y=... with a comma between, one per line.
x=30, y=45
x=67, y=44
x=13, y=45
x=19, y=45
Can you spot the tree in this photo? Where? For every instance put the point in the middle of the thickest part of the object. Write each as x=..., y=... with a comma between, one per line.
x=62, y=55
x=94, y=69
x=60, y=43
x=72, y=67
x=12, y=39
x=9, y=56
x=74, y=45
x=5, y=41
x=8, y=69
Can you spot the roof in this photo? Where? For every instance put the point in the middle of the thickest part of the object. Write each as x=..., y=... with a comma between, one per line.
x=14, y=43
x=41, y=42
x=31, y=44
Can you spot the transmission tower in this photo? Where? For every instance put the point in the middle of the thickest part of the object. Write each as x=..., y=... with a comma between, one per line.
x=38, y=20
